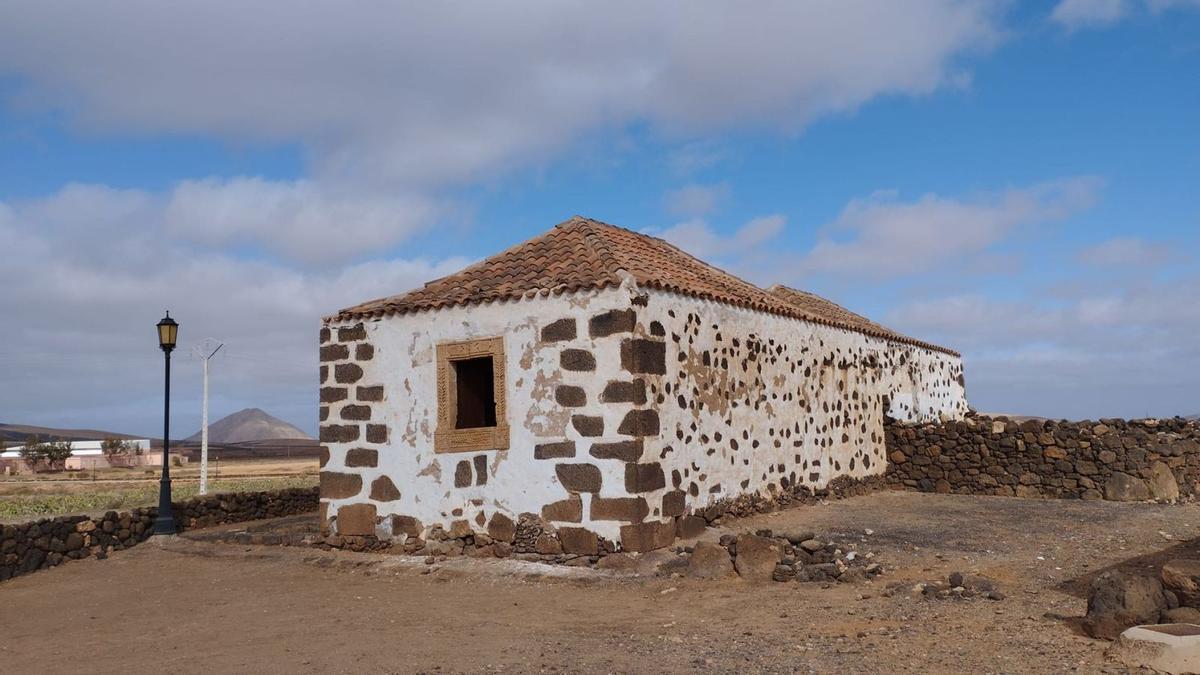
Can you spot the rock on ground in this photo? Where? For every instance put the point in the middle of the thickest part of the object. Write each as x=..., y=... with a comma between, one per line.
x=757, y=557
x=710, y=561
x=1182, y=576
x=1119, y=600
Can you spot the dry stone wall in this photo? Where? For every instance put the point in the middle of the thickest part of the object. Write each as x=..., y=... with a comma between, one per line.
x=32, y=546
x=1110, y=459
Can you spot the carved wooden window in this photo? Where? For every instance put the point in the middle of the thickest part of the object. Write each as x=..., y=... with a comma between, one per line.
x=471, y=402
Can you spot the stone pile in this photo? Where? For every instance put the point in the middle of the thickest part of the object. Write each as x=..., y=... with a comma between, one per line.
x=766, y=556
x=32, y=546
x=795, y=495
x=1122, y=599
x=957, y=586
x=1110, y=459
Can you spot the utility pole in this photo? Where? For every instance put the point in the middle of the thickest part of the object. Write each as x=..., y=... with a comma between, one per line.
x=204, y=421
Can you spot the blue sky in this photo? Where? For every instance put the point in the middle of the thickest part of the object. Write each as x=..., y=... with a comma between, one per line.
x=1013, y=180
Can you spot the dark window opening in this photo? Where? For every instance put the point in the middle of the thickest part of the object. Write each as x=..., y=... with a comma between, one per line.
x=476, y=393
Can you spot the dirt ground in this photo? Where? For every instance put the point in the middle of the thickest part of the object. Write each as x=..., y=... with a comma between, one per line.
x=198, y=606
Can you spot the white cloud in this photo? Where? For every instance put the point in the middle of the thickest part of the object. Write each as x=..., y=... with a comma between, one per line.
x=1128, y=351
x=298, y=220
x=1077, y=14
x=89, y=270
x=701, y=240
x=1080, y=13
x=1127, y=251
x=696, y=200
x=387, y=94
x=882, y=237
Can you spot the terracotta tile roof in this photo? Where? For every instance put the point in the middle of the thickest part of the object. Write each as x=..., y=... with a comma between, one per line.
x=586, y=254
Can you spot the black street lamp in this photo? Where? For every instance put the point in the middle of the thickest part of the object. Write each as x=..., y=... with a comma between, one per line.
x=165, y=522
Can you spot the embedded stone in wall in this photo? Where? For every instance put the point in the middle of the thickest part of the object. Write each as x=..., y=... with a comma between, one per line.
x=641, y=537
x=626, y=451
x=689, y=527
x=325, y=334
x=628, y=509
x=501, y=528
x=347, y=373
x=406, y=525
x=570, y=396
x=384, y=490
x=639, y=423
x=360, y=413
x=559, y=450
x=334, y=353
x=370, y=394
x=356, y=520
x=323, y=413
x=612, y=321
x=578, y=477
x=579, y=360
x=1121, y=487
x=333, y=394
x=644, y=477
x=324, y=456
x=558, y=331
x=568, y=510
x=339, y=433
x=364, y=352
x=674, y=503
x=644, y=356
x=324, y=374
x=578, y=540
x=377, y=433
x=587, y=425
x=462, y=474
x=362, y=457
x=340, y=485
x=352, y=334
x=481, y=472
x=619, y=391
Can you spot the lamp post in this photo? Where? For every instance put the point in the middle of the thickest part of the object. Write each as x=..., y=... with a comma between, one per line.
x=168, y=330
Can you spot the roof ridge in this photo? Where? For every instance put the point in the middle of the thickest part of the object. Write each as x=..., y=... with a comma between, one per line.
x=602, y=244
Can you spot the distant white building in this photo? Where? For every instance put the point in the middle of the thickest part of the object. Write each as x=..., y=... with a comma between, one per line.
x=88, y=455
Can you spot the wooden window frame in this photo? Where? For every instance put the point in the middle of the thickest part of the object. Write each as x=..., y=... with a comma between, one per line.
x=446, y=438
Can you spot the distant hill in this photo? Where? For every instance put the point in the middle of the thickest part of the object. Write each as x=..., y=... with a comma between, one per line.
x=249, y=425
x=18, y=433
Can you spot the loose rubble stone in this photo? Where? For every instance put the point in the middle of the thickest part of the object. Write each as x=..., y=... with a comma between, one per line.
x=710, y=561
x=1181, y=576
x=756, y=557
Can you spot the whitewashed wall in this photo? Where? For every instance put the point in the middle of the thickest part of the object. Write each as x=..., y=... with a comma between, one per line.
x=792, y=400
x=746, y=402
x=404, y=363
